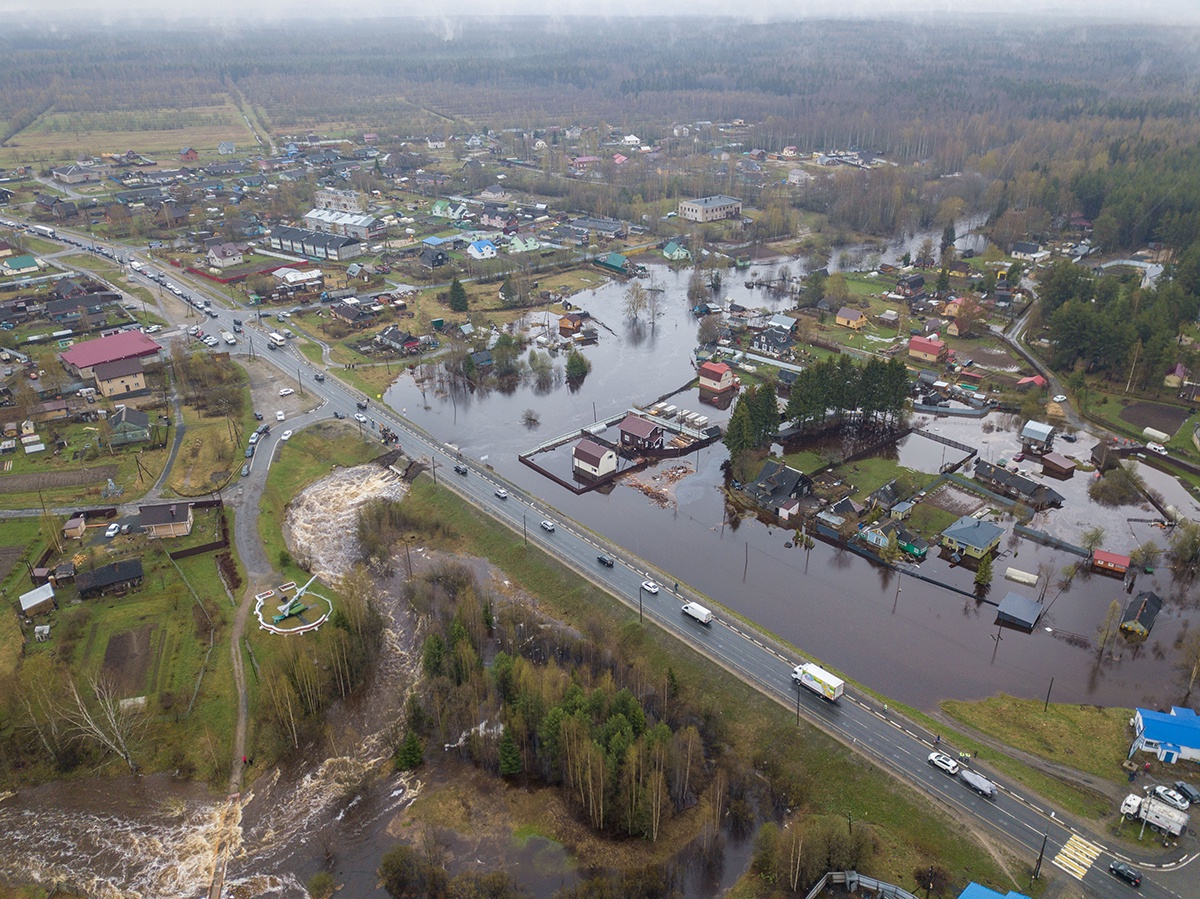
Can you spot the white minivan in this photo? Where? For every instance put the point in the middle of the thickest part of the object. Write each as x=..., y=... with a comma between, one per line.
x=697, y=611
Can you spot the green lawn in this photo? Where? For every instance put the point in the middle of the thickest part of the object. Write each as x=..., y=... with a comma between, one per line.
x=929, y=521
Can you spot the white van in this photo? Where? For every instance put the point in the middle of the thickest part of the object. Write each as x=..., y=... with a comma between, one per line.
x=697, y=611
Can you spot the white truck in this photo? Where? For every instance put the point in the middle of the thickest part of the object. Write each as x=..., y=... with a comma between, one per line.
x=819, y=681
x=1156, y=813
x=229, y=338
x=47, y=231
x=276, y=340
x=697, y=611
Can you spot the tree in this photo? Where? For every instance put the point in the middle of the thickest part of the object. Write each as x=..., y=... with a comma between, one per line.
x=1105, y=630
x=577, y=366
x=949, y=235
x=1183, y=548
x=509, y=295
x=511, y=763
x=98, y=716
x=983, y=574
x=709, y=330
x=411, y=754
x=400, y=872
x=458, y=296
x=635, y=301
x=1092, y=538
x=321, y=885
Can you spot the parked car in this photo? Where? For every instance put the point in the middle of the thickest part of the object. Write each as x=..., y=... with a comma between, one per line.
x=337, y=414
x=606, y=561
x=279, y=416
x=1187, y=791
x=1070, y=438
x=112, y=530
x=501, y=493
x=286, y=391
x=1157, y=448
x=286, y=435
x=548, y=525
x=1170, y=797
x=1130, y=875
x=246, y=469
x=258, y=416
x=250, y=451
x=650, y=586
x=943, y=762
x=1060, y=398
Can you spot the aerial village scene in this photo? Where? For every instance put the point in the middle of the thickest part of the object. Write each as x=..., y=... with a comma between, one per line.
x=955, y=460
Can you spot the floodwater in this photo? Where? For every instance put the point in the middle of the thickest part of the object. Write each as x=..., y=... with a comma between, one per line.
x=918, y=643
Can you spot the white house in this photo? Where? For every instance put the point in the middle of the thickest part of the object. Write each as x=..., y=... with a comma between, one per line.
x=631, y=140
x=482, y=249
x=590, y=458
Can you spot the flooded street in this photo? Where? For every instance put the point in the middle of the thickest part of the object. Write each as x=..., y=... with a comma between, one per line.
x=918, y=644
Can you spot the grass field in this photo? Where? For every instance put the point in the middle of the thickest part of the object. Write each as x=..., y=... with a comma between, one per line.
x=154, y=132
x=911, y=832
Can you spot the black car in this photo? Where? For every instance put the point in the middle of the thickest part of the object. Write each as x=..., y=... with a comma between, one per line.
x=1070, y=438
x=606, y=561
x=318, y=377
x=1131, y=876
x=1187, y=791
x=361, y=404
x=339, y=414
x=461, y=469
x=258, y=416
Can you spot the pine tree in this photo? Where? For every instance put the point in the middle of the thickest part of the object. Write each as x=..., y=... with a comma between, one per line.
x=983, y=574
x=510, y=756
x=458, y=296
x=411, y=754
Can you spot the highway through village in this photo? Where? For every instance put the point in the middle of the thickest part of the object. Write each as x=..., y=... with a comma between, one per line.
x=1023, y=822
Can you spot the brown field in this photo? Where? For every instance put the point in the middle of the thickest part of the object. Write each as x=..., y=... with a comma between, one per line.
x=127, y=659
x=1155, y=415
x=9, y=555
x=109, y=133
x=48, y=480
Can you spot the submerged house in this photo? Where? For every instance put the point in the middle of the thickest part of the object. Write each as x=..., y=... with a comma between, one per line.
x=1140, y=614
x=776, y=484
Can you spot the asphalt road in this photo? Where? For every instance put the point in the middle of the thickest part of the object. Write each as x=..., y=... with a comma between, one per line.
x=892, y=742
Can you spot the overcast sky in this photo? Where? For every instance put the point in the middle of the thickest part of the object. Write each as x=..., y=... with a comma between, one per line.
x=75, y=12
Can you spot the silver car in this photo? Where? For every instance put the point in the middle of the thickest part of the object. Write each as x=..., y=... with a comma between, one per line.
x=1170, y=797
x=944, y=762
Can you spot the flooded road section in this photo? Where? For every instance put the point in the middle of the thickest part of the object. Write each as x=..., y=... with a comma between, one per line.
x=918, y=644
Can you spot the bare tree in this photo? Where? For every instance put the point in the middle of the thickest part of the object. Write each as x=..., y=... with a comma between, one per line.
x=1105, y=631
x=99, y=717
x=636, y=300
x=1189, y=661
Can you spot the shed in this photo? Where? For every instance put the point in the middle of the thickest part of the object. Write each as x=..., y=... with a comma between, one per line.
x=1140, y=614
x=1058, y=465
x=38, y=600
x=1037, y=437
x=1114, y=563
x=594, y=459
x=75, y=527
x=1019, y=611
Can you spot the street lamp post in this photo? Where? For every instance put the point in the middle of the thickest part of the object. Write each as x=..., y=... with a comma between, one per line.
x=640, y=591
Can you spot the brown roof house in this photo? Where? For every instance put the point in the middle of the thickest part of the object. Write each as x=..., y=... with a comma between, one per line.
x=121, y=378
x=167, y=519
x=593, y=459
x=851, y=318
x=637, y=433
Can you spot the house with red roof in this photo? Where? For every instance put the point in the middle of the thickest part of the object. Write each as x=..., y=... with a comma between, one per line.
x=928, y=349
x=83, y=357
x=1113, y=563
x=717, y=377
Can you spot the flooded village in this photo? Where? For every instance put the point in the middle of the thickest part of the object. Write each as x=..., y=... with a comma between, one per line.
x=841, y=526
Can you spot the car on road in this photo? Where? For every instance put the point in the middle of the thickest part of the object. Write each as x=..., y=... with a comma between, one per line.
x=1131, y=876
x=286, y=391
x=650, y=586
x=606, y=561
x=1170, y=797
x=944, y=762
x=258, y=416
x=1187, y=791
x=286, y=435
x=461, y=469
x=253, y=438
x=1157, y=448
x=1060, y=397
x=548, y=525
x=246, y=469
x=279, y=416
x=361, y=404
x=319, y=377
x=250, y=451
x=339, y=415
x=360, y=418
x=501, y=493
x=154, y=329
x=112, y=530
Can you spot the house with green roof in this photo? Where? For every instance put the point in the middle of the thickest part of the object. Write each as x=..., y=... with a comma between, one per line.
x=20, y=265
x=613, y=262
x=676, y=253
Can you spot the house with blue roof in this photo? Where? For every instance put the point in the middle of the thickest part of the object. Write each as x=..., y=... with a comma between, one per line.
x=972, y=537
x=1171, y=736
x=979, y=891
x=481, y=249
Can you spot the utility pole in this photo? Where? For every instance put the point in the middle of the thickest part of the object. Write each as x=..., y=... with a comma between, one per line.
x=1037, y=868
